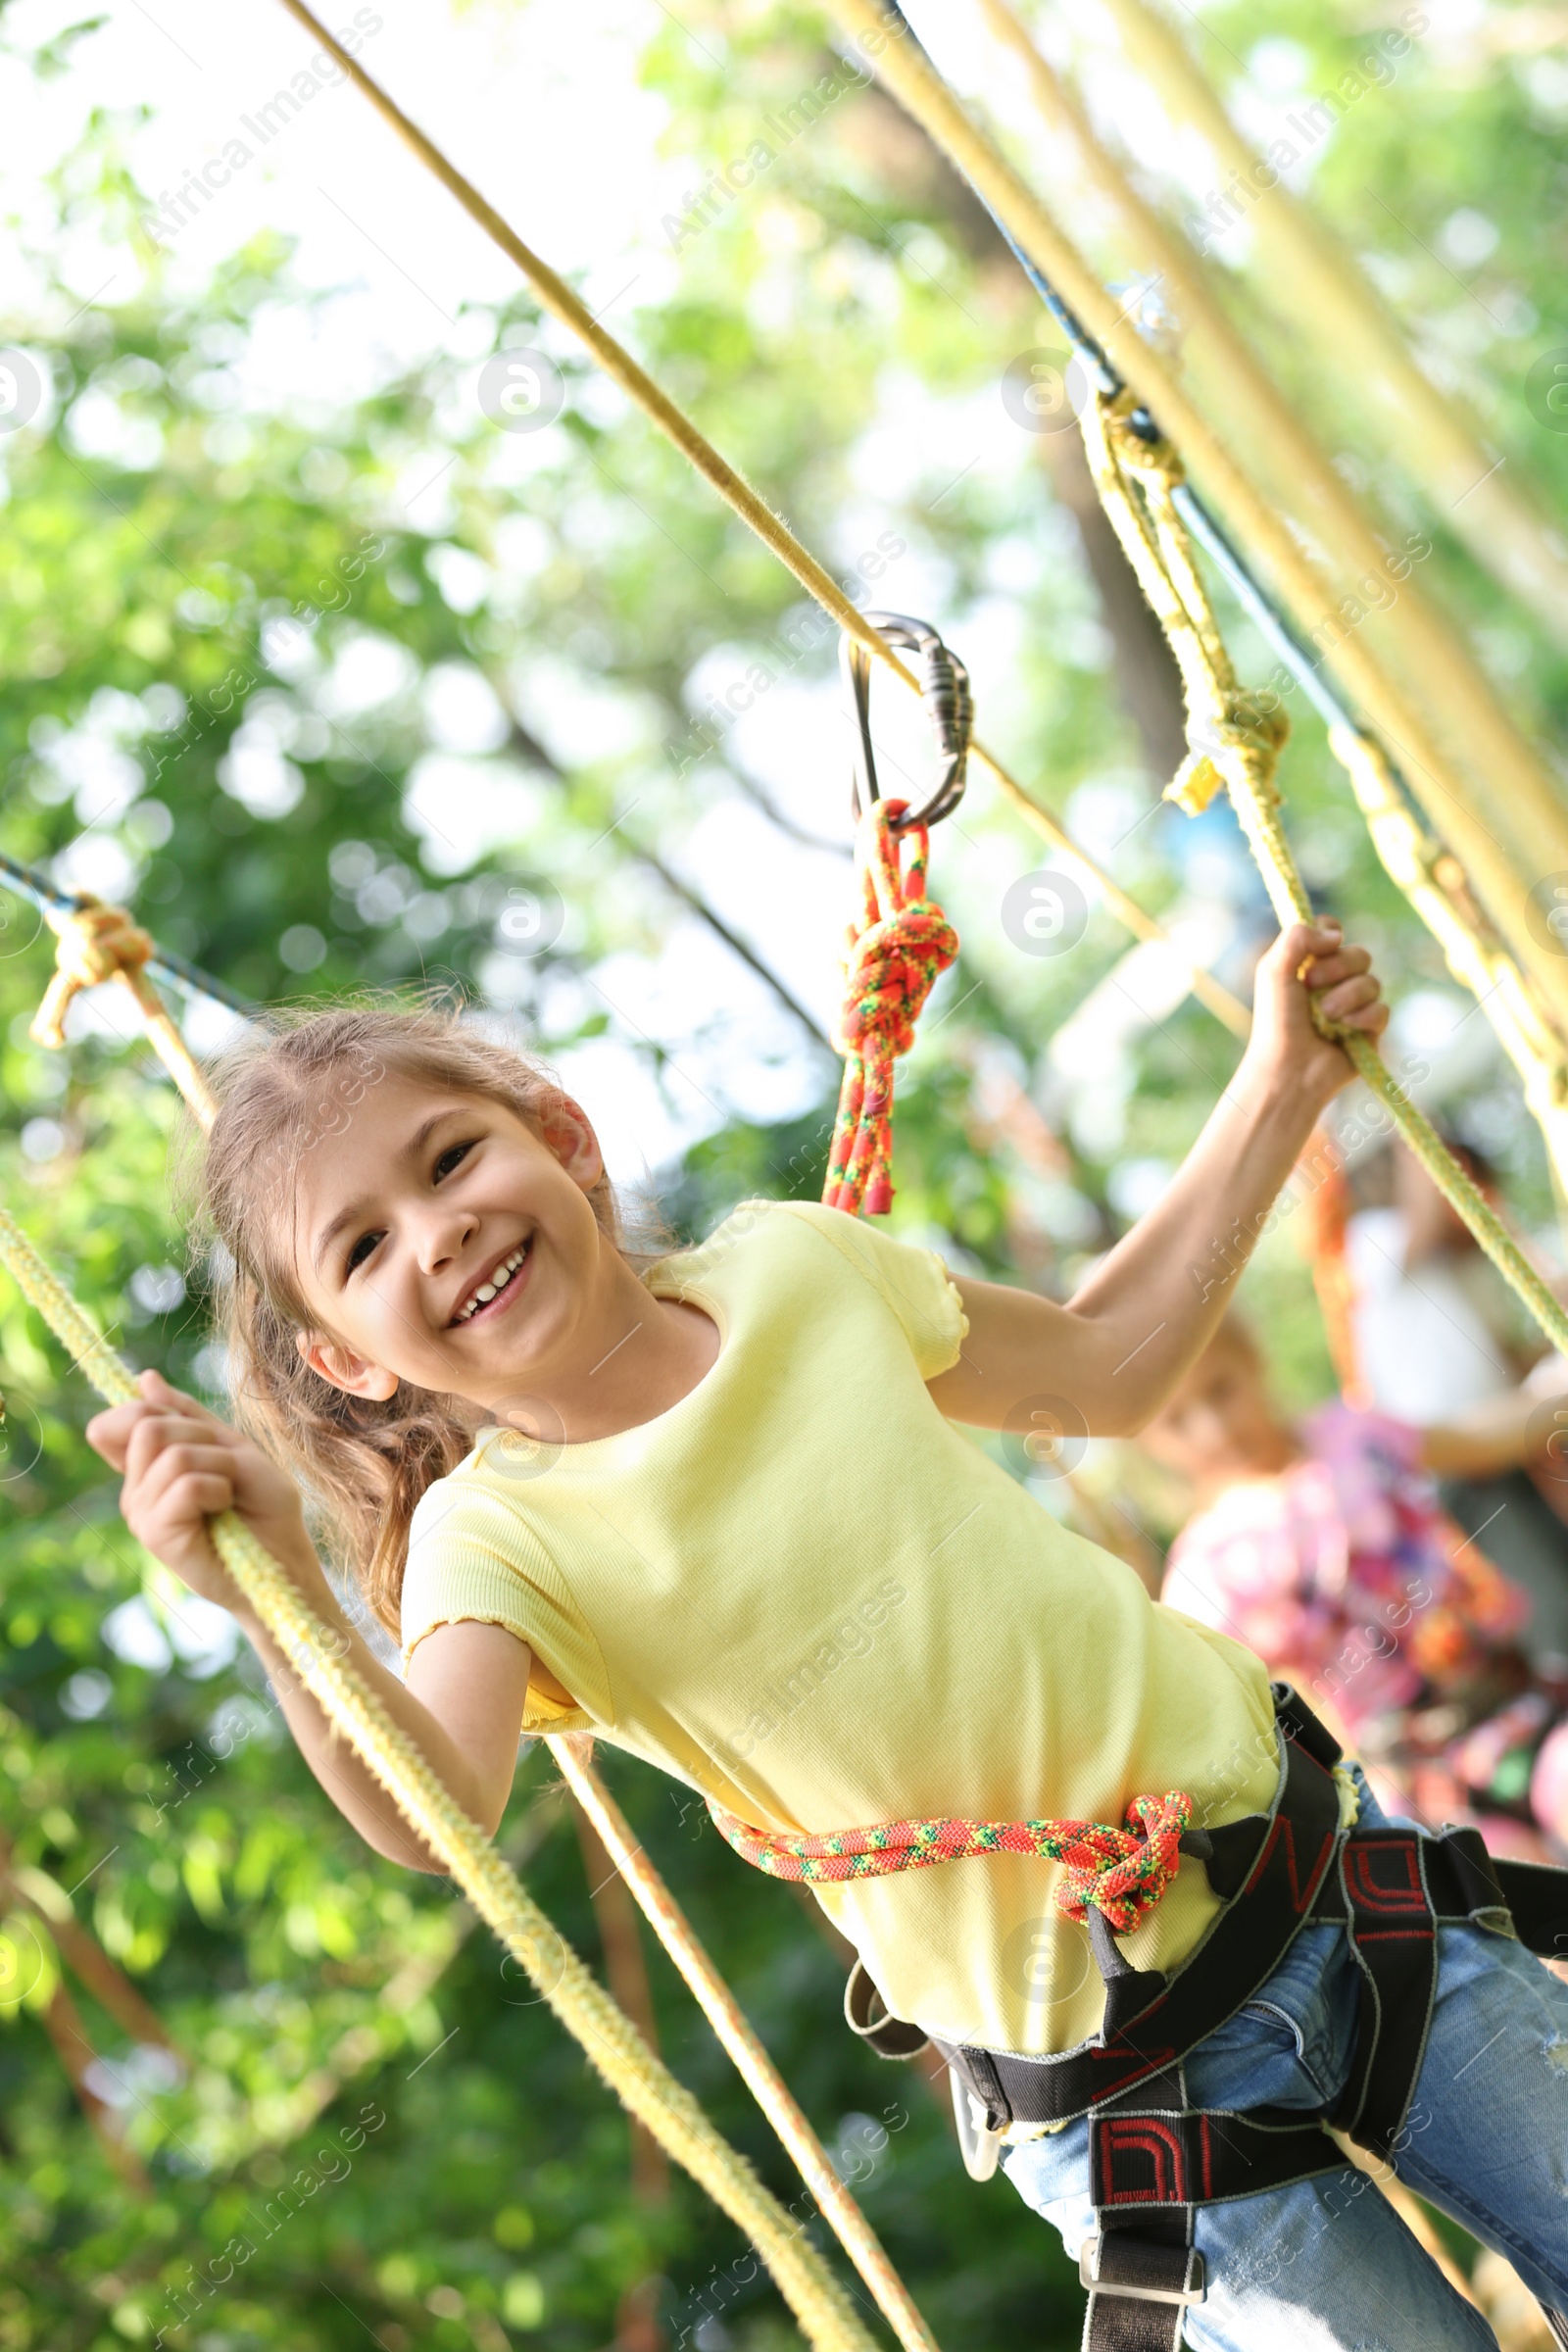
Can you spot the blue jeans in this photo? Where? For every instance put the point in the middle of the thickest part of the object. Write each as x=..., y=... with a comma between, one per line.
x=1327, y=2265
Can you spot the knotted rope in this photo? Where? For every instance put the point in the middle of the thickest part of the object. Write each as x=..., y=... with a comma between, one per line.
x=98, y=943
x=1235, y=741
x=1121, y=1873
x=893, y=958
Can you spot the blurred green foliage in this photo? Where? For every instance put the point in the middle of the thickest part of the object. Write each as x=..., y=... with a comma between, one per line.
x=322, y=696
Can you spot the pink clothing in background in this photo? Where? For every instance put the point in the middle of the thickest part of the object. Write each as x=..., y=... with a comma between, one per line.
x=1342, y=1572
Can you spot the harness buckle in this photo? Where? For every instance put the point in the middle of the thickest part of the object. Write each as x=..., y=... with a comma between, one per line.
x=1193, y=2289
x=979, y=2145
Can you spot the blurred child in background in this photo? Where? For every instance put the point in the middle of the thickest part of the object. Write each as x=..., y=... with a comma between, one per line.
x=1325, y=1548
x=1434, y=1333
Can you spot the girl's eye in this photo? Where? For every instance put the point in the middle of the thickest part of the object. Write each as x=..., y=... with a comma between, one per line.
x=452, y=1157
x=361, y=1249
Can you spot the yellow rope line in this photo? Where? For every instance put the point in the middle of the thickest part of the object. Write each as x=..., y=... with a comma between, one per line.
x=1236, y=742
x=755, y=2068
x=1433, y=880
x=674, y=1929
x=1475, y=951
x=1534, y=810
x=613, y=2044
x=775, y=534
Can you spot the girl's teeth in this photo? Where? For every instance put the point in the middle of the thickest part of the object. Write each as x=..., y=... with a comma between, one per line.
x=497, y=1282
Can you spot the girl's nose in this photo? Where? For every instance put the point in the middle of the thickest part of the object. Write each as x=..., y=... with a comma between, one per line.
x=442, y=1235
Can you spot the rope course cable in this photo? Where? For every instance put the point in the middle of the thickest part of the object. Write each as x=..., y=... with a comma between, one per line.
x=563, y=304
x=1236, y=741
x=1316, y=284
x=573, y=1753
x=97, y=942
x=170, y=969
x=1474, y=953
x=1105, y=336
x=755, y=2068
x=1240, y=745
x=1434, y=882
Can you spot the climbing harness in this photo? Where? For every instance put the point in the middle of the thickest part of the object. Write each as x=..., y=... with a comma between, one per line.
x=1242, y=753
x=1156, y=2160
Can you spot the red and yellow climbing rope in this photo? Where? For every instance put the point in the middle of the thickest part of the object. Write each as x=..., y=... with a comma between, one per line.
x=1121, y=1873
x=893, y=957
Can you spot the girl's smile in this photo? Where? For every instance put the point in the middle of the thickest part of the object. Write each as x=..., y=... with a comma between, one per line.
x=496, y=1289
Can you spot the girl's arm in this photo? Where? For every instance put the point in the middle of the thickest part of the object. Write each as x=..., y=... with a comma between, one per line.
x=468, y=1686
x=1120, y=1349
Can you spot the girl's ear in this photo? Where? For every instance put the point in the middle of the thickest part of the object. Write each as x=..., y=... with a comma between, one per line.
x=567, y=1130
x=354, y=1374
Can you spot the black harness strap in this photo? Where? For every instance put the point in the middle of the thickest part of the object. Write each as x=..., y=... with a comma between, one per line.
x=1393, y=1930
x=1154, y=2159
x=1275, y=1865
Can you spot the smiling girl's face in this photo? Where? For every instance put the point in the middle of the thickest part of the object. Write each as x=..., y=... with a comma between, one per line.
x=438, y=1240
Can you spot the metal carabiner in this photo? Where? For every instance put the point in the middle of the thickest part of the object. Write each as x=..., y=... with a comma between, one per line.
x=948, y=705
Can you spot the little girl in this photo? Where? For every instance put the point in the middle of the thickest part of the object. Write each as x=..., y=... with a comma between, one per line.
x=1325, y=1549
x=719, y=1511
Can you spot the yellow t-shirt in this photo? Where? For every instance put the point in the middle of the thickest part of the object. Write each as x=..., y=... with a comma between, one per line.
x=806, y=1593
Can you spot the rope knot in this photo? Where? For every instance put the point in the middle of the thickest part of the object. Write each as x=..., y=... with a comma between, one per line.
x=1249, y=736
x=96, y=943
x=893, y=958
x=1157, y=458
x=1123, y=1872
x=889, y=971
